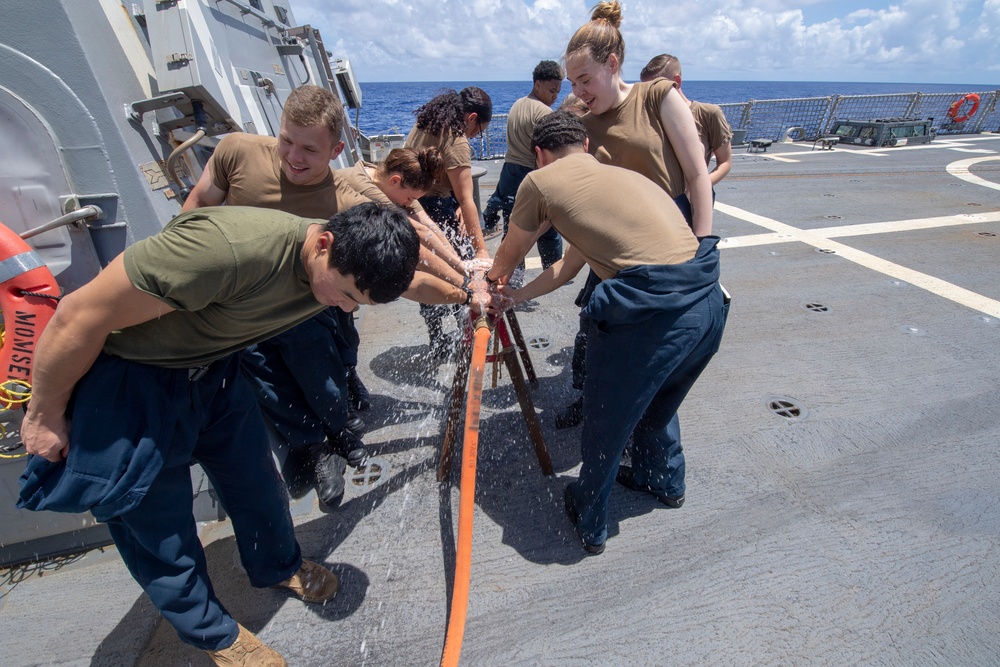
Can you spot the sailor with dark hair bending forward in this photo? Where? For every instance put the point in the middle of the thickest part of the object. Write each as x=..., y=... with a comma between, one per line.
x=655, y=319
x=138, y=375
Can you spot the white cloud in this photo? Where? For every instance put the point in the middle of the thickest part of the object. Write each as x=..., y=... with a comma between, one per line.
x=913, y=40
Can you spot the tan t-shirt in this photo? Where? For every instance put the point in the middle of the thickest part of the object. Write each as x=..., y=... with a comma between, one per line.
x=613, y=216
x=521, y=120
x=247, y=168
x=713, y=128
x=455, y=152
x=357, y=179
x=632, y=136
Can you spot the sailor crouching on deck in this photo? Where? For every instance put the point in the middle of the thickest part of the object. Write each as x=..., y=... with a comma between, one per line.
x=656, y=318
x=138, y=374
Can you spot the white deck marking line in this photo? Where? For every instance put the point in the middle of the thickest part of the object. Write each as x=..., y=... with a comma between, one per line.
x=941, y=288
x=842, y=231
x=960, y=169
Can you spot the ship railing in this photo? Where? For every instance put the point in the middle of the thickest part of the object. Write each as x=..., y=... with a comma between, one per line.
x=810, y=118
x=813, y=117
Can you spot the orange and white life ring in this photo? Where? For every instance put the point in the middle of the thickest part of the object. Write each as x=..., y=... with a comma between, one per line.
x=956, y=108
x=28, y=297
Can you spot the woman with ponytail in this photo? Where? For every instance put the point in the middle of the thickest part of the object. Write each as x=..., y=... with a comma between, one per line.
x=447, y=123
x=640, y=126
x=401, y=179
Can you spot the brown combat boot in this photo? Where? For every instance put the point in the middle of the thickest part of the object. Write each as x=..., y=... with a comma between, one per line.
x=312, y=583
x=247, y=651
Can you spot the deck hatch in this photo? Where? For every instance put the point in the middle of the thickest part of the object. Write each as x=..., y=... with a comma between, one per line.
x=370, y=474
x=539, y=342
x=786, y=408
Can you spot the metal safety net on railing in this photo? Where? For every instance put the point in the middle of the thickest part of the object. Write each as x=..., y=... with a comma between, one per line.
x=808, y=118
x=870, y=107
x=937, y=106
x=798, y=118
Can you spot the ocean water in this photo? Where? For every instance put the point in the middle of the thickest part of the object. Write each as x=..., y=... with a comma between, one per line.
x=390, y=106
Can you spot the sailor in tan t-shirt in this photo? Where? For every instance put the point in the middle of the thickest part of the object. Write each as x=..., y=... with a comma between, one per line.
x=524, y=113
x=310, y=397
x=713, y=128
x=655, y=319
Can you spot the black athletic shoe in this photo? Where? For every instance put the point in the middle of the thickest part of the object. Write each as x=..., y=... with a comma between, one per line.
x=354, y=423
x=571, y=415
x=574, y=517
x=329, y=470
x=357, y=393
x=349, y=446
x=626, y=477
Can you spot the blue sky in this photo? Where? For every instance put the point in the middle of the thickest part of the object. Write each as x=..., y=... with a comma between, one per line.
x=911, y=41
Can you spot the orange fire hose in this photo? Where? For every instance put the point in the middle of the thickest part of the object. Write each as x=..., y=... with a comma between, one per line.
x=466, y=503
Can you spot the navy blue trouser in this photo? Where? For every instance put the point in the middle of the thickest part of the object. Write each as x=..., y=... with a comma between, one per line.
x=217, y=424
x=300, y=377
x=637, y=377
x=502, y=202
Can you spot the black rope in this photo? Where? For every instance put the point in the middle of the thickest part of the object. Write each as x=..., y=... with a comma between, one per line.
x=39, y=294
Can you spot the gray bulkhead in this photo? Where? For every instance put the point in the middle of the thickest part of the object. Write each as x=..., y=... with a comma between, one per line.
x=95, y=95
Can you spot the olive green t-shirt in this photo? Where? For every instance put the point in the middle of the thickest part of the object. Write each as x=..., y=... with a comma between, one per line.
x=455, y=153
x=234, y=276
x=613, y=216
x=713, y=128
x=632, y=136
x=248, y=169
x=521, y=120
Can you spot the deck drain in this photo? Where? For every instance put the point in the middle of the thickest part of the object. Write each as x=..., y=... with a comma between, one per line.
x=912, y=330
x=826, y=251
x=987, y=234
x=833, y=217
x=786, y=407
x=972, y=203
x=816, y=307
x=829, y=194
x=372, y=473
x=539, y=342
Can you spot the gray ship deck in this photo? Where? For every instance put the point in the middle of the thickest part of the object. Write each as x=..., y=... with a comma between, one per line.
x=865, y=531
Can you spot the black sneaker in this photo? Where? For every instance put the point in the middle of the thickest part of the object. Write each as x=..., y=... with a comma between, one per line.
x=349, y=446
x=626, y=477
x=574, y=516
x=329, y=470
x=357, y=393
x=571, y=415
x=354, y=423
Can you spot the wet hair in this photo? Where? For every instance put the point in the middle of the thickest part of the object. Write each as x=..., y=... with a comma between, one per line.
x=664, y=65
x=573, y=105
x=312, y=106
x=378, y=246
x=601, y=35
x=548, y=70
x=558, y=130
x=417, y=169
x=446, y=112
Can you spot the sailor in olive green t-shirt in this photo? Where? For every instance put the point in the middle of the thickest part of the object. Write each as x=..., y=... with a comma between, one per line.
x=137, y=375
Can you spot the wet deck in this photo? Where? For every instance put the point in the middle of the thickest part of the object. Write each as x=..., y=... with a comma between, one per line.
x=865, y=531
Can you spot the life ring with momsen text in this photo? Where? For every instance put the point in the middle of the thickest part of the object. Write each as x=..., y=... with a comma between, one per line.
x=28, y=298
x=956, y=108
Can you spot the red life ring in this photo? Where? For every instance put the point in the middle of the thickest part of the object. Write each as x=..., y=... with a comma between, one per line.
x=28, y=297
x=957, y=105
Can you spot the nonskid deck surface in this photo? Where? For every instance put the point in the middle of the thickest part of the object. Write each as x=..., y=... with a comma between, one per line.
x=862, y=529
